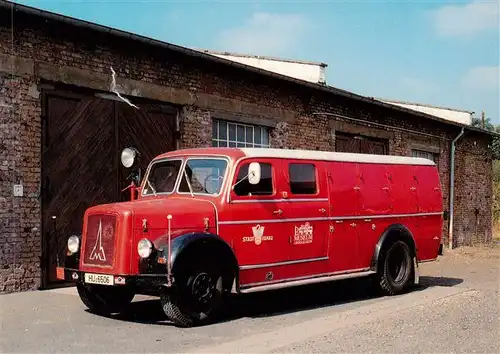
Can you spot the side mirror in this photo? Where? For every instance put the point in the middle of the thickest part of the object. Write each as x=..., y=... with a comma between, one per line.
x=129, y=157
x=254, y=173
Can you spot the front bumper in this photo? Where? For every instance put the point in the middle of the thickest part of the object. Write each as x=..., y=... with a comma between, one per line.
x=148, y=282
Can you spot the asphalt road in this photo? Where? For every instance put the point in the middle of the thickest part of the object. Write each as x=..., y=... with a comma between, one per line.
x=457, y=309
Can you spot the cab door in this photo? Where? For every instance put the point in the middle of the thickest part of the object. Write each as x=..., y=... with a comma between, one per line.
x=306, y=210
x=253, y=219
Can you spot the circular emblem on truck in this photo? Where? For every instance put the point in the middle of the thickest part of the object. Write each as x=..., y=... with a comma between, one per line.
x=108, y=232
x=269, y=276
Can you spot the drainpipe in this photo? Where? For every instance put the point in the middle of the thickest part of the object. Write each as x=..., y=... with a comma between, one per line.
x=452, y=189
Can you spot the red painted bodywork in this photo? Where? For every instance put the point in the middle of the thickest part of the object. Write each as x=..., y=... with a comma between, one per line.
x=354, y=204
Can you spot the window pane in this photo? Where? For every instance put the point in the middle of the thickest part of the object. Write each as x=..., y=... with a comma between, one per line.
x=257, y=135
x=162, y=177
x=425, y=154
x=232, y=132
x=222, y=130
x=265, y=136
x=302, y=178
x=240, y=137
x=228, y=134
x=205, y=176
x=264, y=187
x=249, y=135
x=215, y=133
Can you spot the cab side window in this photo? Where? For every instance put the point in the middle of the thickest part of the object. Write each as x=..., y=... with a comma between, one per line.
x=302, y=178
x=264, y=187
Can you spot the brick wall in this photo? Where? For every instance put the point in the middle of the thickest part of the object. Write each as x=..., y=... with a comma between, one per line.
x=20, y=239
x=473, y=191
x=50, y=52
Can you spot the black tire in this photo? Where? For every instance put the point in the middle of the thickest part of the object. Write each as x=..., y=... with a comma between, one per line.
x=396, y=272
x=105, y=300
x=184, y=305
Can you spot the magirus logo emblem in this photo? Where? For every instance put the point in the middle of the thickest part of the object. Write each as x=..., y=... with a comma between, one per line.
x=98, y=251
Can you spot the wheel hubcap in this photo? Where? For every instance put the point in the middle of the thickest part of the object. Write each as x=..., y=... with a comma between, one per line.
x=203, y=288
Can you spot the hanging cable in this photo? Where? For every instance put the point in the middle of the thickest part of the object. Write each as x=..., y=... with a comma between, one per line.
x=114, y=90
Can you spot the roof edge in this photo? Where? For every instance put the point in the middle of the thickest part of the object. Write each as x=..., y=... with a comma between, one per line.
x=242, y=55
x=423, y=105
x=335, y=156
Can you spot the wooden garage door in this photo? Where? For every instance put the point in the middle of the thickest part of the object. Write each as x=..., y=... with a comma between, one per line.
x=360, y=144
x=82, y=140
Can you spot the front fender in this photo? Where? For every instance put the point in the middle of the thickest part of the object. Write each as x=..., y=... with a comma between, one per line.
x=183, y=243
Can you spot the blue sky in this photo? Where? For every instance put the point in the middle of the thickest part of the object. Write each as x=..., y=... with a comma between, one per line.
x=436, y=52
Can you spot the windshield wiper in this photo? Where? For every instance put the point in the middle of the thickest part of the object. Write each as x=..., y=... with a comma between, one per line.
x=189, y=184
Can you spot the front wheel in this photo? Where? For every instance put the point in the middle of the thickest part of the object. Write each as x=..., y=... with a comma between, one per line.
x=195, y=299
x=105, y=300
x=396, y=271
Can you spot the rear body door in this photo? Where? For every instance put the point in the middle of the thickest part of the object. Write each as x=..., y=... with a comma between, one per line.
x=344, y=186
x=375, y=207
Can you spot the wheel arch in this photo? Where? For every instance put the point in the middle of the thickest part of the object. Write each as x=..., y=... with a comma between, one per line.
x=204, y=246
x=391, y=234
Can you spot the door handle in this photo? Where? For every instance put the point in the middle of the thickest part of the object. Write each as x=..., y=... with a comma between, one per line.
x=278, y=212
x=339, y=221
x=322, y=210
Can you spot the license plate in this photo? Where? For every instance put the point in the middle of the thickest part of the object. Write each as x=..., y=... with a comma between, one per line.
x=101, y=279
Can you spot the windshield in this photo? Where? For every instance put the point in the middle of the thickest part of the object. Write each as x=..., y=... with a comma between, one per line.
x=204, y=176
x=162, y=177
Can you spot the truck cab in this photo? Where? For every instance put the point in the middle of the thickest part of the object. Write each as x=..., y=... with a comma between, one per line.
x=202, y=223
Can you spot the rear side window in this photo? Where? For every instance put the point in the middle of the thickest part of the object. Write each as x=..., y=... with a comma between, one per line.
x=302, y=178
x=264, y=187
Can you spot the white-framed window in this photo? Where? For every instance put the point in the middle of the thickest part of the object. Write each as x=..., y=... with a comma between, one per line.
x=425, y=154
x=231, y=134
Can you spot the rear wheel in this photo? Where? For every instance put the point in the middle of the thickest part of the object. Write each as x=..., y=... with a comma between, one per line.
x=105, y=300
x=196, y=298
x=396, y=271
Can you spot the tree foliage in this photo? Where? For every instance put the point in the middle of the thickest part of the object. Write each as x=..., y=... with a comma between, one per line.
x=495, y=146
x=488, y=125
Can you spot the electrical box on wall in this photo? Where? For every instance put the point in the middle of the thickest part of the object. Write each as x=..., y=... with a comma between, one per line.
x=18, y=190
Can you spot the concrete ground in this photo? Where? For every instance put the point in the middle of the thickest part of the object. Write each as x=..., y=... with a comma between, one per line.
x=457, y=309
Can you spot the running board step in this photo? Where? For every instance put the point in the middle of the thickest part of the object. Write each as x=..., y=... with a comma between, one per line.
x=304, y=281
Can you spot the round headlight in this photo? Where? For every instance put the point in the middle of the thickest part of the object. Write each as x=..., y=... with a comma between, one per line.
x=144, y=248
x=128, y=157
x=73, y=244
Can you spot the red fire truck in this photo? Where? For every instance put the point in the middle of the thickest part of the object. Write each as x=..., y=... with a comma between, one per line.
x=204, y=223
